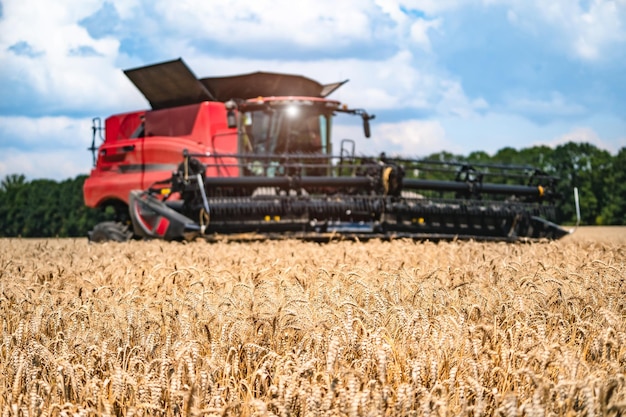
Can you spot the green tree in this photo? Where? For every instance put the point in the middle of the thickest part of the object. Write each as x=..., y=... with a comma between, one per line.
x=537, y=156
x=45, y=208
x=479, y=157
x=614, y=209
x=582, y=166
x=12, y=199
x=12, y=181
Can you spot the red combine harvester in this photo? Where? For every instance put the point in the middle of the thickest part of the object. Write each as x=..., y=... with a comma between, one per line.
x=251, y=156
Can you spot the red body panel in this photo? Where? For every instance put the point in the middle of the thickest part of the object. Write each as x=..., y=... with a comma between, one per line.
x=133, y=157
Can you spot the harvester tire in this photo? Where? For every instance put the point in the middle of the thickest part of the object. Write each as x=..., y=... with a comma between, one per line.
x=110, y=232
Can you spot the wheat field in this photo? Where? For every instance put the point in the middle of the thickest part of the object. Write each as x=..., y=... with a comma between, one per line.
x=292, y=328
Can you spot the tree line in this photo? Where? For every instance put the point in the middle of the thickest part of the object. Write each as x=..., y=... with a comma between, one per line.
x=47, y=208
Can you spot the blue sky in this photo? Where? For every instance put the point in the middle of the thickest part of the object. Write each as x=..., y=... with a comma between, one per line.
x=440, y=75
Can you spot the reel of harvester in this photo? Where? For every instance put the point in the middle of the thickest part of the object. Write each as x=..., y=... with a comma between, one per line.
x=320, y=197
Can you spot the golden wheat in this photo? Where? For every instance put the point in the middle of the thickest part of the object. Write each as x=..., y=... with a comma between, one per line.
x=295, y=328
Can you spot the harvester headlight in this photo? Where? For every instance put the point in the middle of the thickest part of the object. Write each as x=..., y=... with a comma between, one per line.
x=292, y=111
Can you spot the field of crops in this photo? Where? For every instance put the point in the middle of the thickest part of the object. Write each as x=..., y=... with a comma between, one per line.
x=292, y=328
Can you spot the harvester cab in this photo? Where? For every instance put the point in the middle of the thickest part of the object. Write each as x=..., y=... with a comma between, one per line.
x=252, y=156
x=286, y=125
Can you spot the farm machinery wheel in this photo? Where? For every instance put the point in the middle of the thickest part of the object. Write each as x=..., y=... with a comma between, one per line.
x=110, y=232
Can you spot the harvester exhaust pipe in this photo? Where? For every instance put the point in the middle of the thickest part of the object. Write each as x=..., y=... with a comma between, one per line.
x=231, y=116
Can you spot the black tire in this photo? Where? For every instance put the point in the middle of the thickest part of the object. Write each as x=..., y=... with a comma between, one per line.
x=110, y=232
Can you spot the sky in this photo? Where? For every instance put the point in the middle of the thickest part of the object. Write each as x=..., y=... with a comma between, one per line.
x=440, y=75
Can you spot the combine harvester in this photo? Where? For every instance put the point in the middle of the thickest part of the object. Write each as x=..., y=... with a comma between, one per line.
x=250, y=156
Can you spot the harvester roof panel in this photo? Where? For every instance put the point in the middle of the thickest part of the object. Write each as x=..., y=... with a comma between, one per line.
x=169, y=84
x=266, y=84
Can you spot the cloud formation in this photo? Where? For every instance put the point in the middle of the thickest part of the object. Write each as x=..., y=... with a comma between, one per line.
x=440, y=75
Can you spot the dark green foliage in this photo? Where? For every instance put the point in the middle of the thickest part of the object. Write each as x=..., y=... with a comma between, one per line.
x=588, y=168
x=614, y=210
x=46, y=208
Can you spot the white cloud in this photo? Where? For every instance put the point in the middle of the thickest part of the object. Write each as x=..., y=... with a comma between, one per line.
x=51, y=164
x=454, y=101
x=309, y=23
x=69, y=83
x=47, y=147
x=48, y=132
x=314, y=25
x=432, y=7
x=588, y=29
x=59, y=76
x=415, y=29
x=588, y=32
x=127, y=9
x=392, y=9
x=555, y=105
x=493, y=131
x=420, y=31
x=415, y=138
x=580, y=135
